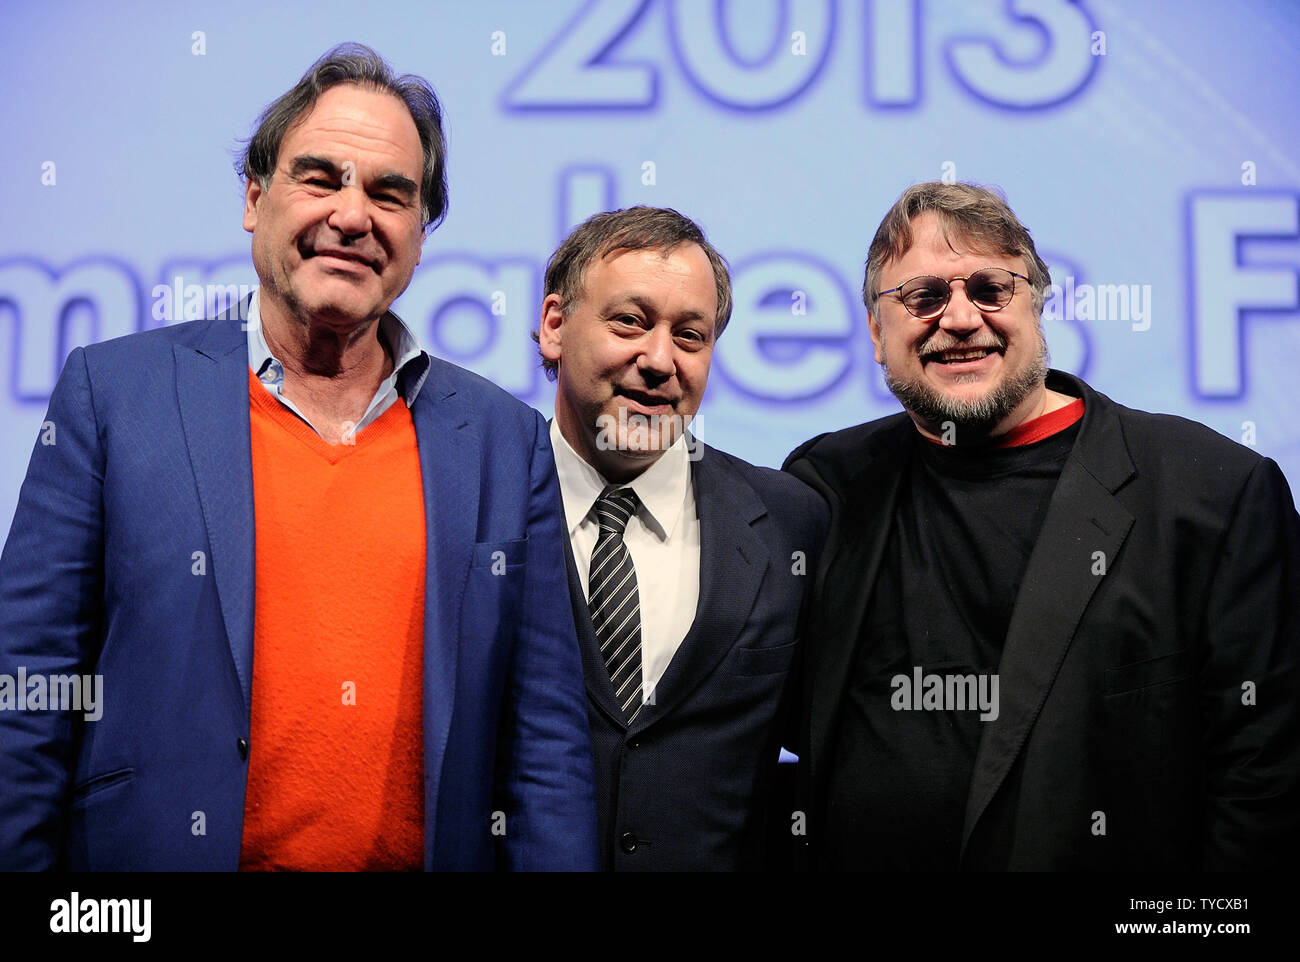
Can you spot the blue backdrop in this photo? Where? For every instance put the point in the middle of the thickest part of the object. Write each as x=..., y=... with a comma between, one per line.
x=1151, y=148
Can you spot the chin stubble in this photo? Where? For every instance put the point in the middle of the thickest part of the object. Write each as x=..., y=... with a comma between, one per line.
x=981, y=414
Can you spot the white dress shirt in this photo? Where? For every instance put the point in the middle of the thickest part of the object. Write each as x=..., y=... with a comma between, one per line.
x=663, y=538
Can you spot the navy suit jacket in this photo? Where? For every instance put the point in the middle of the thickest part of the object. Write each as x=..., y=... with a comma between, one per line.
x=150, y=464
x=687, y=787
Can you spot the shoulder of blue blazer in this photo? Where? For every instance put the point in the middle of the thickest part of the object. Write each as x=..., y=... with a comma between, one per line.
x=477, y=395
x=220, y=336
x=213, y=337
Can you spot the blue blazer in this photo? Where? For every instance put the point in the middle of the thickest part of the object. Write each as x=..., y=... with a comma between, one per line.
x=690, y=785
x=150, y=464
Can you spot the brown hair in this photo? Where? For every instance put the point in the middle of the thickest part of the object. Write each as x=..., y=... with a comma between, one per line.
x=632, y=228
x=978, y=216
x=356, y=64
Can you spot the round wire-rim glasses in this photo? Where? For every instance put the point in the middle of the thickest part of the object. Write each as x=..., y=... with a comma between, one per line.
x=927, y=296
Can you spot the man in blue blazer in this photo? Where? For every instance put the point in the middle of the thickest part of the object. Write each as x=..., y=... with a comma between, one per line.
x=687, y=566
x=137, y=556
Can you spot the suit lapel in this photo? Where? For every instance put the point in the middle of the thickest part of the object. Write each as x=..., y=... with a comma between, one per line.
x=212, y=395
x=846, y=579
x=449, y=470
x=1084, y=517
x=733, y=561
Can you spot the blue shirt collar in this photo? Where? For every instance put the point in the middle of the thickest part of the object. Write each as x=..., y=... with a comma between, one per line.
x=410, y=363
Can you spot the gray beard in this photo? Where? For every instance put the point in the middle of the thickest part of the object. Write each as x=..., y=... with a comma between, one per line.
x=977, y=417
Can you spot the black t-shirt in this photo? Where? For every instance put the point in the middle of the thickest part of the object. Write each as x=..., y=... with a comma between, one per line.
x=966, y=523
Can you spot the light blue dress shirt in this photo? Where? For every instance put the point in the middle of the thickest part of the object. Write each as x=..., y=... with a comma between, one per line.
x=410, y=366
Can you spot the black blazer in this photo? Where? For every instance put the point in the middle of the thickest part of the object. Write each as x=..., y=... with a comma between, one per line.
x=1124, y=694
x=688, y=786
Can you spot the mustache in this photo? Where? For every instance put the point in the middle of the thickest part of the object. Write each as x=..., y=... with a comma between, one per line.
x=941, y=343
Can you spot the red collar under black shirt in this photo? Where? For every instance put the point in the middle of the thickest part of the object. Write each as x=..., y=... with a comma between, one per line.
x=966, y=523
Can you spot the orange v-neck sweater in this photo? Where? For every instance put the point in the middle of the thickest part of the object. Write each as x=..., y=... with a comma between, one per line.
x=336, y=759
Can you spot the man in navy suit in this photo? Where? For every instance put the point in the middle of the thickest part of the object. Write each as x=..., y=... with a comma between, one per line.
x=687, y=566
x=155, y=535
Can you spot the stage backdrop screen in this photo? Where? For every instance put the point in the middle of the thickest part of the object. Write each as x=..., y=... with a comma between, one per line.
x=1151, y=148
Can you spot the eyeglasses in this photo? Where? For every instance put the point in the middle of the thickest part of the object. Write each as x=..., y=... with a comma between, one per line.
x=990, y=289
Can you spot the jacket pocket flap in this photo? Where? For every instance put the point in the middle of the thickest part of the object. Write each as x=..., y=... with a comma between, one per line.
x=507, y=553
x=760, y=661
x=1153, y=671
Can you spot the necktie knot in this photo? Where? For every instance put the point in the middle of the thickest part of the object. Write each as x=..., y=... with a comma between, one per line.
x=614, y=508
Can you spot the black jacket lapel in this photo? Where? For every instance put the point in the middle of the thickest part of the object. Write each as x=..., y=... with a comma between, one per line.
x=1083, y=518
x=845, y=579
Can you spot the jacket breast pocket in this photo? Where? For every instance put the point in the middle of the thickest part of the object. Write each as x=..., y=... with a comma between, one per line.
x=751, y=662
x=1175, y=666
x=492, y=610
x=494, y=589
x=497, y=556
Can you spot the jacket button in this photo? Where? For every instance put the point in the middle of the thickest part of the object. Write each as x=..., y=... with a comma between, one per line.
x=628, y=842
x=634, y=743
x=242, y=745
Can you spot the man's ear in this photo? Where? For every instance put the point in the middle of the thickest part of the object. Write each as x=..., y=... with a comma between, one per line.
x=548, y=332
x=252, y=192
x=873, y=325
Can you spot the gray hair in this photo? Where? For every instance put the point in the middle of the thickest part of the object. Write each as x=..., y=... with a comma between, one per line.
x=978, y=216
x=632, y=228
x=355, y=63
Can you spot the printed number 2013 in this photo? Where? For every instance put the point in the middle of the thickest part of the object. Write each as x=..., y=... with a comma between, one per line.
x=576, y=69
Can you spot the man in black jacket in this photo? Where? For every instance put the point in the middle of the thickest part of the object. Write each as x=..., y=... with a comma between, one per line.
x=1048, y=631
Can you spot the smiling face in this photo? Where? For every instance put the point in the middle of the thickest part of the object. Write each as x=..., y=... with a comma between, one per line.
x=980, y=369
x=337, y=232
x=633, y=355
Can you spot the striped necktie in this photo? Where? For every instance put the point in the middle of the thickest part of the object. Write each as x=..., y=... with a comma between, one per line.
x=613, y=600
